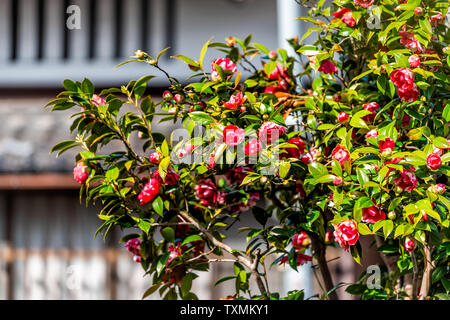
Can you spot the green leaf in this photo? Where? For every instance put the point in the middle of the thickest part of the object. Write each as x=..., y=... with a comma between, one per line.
x=446, y=113
x=269, y=67
x=284, y=168
x=201, y=117
x=87, y=86
x=388, y=226
x=356, y=120
x=438, y=273
x=112, y=174
x=261, y=48
x=317, y=169
x=202, y=53
x=441, y=142
x=364, y=229
x=356, y=252
x=168, y=234
x=144, y=225
x=151, y=290
x=158, y=206
x=192, y=238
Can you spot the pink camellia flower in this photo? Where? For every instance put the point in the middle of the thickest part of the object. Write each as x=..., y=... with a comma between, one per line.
x=386, y=146
x=98, y=101
x=410, y=245
x=134, y=246
x=337, y=181
x=409, y=94
x=303, y=258
x=407, y=180
x=414, y=61
x=155, y=157
x=363, y=3
x=372, y=134
x=372, y=214
x=434, y=161
x=346, y=233
x=80, y=173
x=252, y=147
x=294, y=152
x=340, y=154
x=418, y=11
x=171, y=177
x=300, y=240
x=410, y=42
x=343, y=117
x=269, y=131
x=436, y=19
x=232, y=135
x=150, y=191
x=235, y=101
x=278, y=73
x=226, y=65
x=372, y=107
x=206, y=193
x=327, y=67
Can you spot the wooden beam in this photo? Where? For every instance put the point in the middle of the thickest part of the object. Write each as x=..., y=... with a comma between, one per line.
x=42, y=181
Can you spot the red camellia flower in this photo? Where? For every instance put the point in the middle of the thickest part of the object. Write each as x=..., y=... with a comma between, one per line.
x=372, y=214
x=409, y=94
x=410, y=245
x=235, y=101
x=407, y=180
x=372, y=107
x=337, y=181
x=327, y=67
x=232, y=135
x=410, y=42
x=150, y=191
x=340, y=154
x=226, y=65
x=386, y=146
x=434, y=161
x=206, y=192
x=269, y=131
x=300, y=240
x=294, y=152
x=346, y=16
x=303, y=258
x=170, y=179
x=238, y=174
x=134, y=246
x=414, y=61
x=346, y=233
x=252, y=147
x=363, y=3
x=155, y=157
x=372, y=134
x=278, y=73
x=402, y=77
x=436, y=19
x=80, y=173
x=343, y=117
x=437, y=189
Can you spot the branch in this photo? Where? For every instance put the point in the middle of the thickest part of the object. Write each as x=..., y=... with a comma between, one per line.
x=426, y=279
x=415, y=276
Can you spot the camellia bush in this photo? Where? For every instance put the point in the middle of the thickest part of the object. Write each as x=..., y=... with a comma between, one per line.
x=369, y=90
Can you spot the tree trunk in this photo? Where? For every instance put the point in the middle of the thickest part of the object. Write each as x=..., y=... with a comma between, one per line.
x=320, y=250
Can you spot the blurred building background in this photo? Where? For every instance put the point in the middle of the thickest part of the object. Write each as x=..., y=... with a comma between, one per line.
x=47, y=249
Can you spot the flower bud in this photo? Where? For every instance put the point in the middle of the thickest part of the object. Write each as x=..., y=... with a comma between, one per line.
x=343, y=117
x=167, y=95
x=273, y=55
x=179, y=98
x=410, y=245
x=392, y=215
x=418, y=11
x=243, y=109
x=140, y=54
x=263, y=180
x=230, y=41
x=173, y=110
